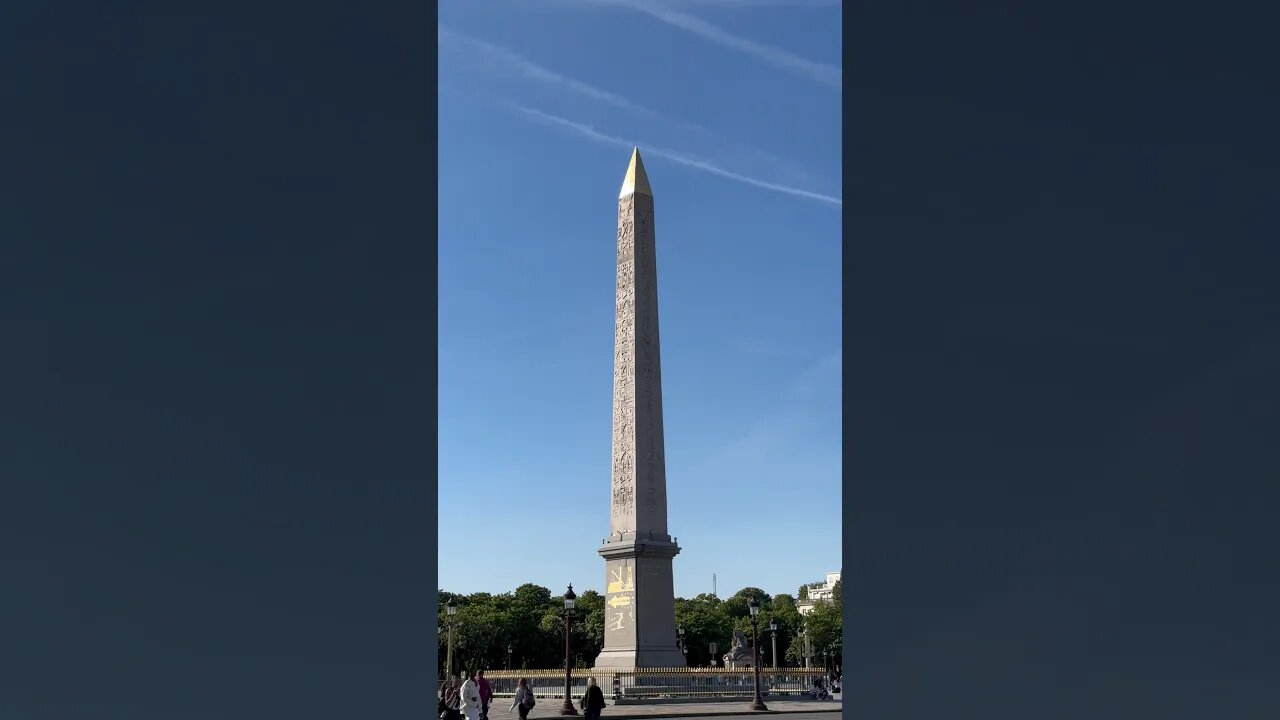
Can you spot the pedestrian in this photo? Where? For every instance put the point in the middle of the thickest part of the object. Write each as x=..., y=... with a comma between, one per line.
x=470, y=705
x=523, y=701
x=592, y=701
x=486, y=694
x=450, y=699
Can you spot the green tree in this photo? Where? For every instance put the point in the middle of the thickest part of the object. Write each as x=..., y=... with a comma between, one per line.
x=736, y=606
x=478, y=635
x=531, y=620
x=535, y=645
x=784, y=609
x=788, y=618
x=704, y=622
x=588, y=624
x=826, y=629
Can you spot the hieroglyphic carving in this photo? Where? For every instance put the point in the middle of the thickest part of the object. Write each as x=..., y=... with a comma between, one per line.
x=638, y=462
x=624, y=367
x=648, y=362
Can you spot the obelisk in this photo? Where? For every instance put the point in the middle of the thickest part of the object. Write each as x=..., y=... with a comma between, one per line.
x=640, y=622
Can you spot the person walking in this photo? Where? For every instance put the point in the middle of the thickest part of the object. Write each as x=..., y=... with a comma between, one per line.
x=592, y=701
x=486, y=694
x=524, y=701
x=450, y=699
x=470, y=698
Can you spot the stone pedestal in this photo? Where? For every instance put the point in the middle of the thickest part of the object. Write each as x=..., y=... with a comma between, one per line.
x=640, y=622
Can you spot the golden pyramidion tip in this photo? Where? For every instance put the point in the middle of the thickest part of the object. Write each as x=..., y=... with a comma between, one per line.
x=636, y=181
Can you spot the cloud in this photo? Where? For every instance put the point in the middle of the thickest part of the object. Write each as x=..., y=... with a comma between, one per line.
x=759, y=3
x=534, y=71
x=673, y=156
x=513, y=61
x=783, y=59
x=726, y=4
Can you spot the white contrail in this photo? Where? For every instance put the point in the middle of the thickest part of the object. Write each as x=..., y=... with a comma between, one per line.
x=823, y=73
x=759, y=3
x=792, y=4
x=673, y=156
x=537, y=72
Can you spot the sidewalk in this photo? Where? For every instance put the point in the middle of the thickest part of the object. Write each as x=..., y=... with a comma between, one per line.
x=550, y=708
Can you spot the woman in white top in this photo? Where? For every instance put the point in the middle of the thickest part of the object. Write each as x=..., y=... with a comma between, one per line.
x=470, y=705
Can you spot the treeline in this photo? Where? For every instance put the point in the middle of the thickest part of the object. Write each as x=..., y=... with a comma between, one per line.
x=530, y=622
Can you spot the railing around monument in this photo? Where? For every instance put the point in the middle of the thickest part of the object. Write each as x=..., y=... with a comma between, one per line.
x=658, y=683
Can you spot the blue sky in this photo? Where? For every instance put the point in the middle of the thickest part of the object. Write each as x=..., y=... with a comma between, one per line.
x=735, y=106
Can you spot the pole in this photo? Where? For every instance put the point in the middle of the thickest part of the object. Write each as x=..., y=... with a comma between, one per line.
x=775, y=649
x=758, y=704
x=808, y=652
x=567, y=708
x=448, y=655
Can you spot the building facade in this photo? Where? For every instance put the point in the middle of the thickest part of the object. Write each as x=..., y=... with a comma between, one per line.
x=819, y=591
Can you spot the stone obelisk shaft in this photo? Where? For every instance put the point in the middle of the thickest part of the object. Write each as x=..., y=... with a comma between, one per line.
x=640, y=594
x=639, y=462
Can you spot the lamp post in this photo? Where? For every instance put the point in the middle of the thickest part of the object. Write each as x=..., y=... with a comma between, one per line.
x=680, y=643
x=773, y=627
x=567, y=708
x=449, y=610
x=758, y=703
x=804, y=633
x=509, y=656
x=713, y=654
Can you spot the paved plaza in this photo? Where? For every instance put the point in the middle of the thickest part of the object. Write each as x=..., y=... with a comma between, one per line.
x=550, y=708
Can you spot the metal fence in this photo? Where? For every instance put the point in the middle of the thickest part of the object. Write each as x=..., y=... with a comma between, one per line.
x=657, y=683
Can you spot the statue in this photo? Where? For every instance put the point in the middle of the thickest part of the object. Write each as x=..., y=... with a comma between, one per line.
x=739, y=654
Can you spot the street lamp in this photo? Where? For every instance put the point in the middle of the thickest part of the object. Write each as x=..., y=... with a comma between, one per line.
x=567, y=708
x=680, y=642
x=758, y=703
x=804, y=634
x=449, y=610
x=713, y=654
x=509, y=656
x=773, y=627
